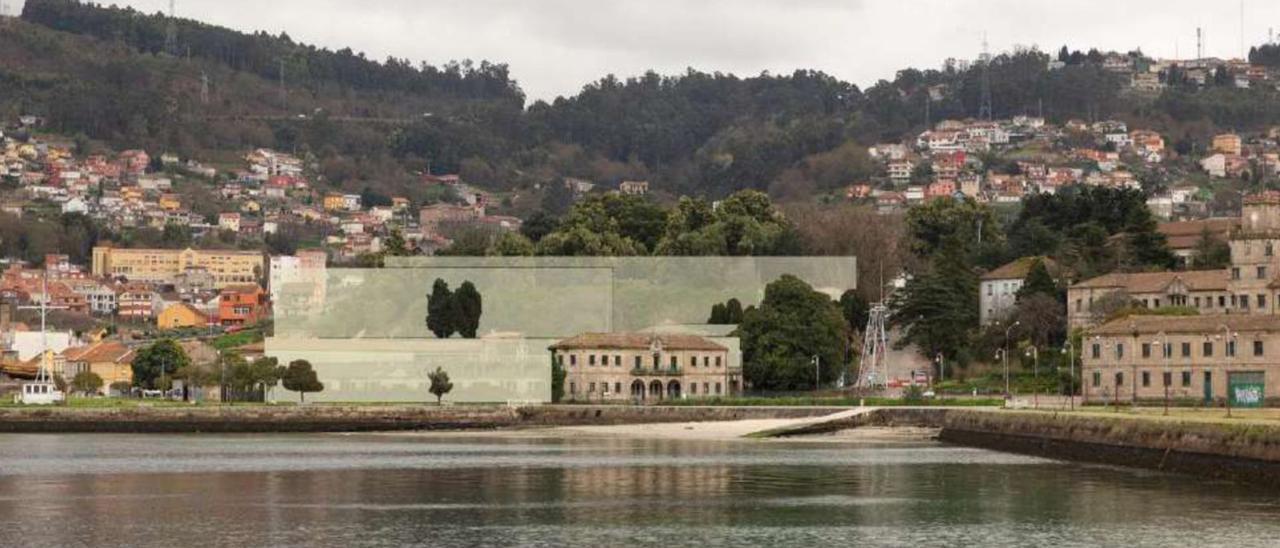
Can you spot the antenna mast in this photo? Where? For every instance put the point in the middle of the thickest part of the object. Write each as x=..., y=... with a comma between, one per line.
x=984, y=110
x=171, y=32
x=1199, y=43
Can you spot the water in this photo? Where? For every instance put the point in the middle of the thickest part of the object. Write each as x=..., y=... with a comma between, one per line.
x=452, y=490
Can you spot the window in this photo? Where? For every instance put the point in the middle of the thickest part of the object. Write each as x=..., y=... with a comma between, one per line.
x=1119, y=379
x=1097, y=379
x=591, y=388
x=693, y=361
x=573, y=388
x=1235, y=273
x=693, y=388
x=674, y=363
x=573, y=359
x=1257, y=348
x=604, y=360
x=717, y=361
x=1268, y=251
x=1262, y=273
x=989, y=288
x=617, y=360
x=656, y=363
x=1186, y=350
x=591, y=359
x=706, y=361
x=1167, y=349
x=1168, y=378
x=617, y=388
x=1146, y=379
x=717, y=389
x=1146, y=350
x=1244, y=302
x=1222, y=301
x=1079, y=305
x=1231, y=349
x=1208, y=349
x=1262, y=301
x=1120, y=351
x=638, y=364
x=1097, y=351
x=1186, y=378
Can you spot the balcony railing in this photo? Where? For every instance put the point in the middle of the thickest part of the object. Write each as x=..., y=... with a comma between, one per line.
x=657, y=372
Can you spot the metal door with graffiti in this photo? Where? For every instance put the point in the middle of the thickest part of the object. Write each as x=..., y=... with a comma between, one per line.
x=1247, y=388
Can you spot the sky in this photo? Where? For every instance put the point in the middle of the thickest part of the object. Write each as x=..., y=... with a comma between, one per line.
x=554, y=47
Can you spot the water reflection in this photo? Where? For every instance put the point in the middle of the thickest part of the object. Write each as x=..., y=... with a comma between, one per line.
x=370, y=490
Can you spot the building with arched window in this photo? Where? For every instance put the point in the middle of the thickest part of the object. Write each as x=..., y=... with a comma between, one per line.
x=646, y=367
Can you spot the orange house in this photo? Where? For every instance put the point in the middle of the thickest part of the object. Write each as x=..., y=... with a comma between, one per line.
x=241, y=305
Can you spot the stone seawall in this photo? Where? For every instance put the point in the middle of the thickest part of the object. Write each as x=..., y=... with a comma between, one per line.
x=1239, y=451
x=357, y=418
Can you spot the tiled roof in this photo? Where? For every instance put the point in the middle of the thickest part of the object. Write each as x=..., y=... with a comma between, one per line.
x=1187, y=234
x=106, y=351
x=1018, y=269
x=1206, y=324
x=636, y=341
x=1150, y=282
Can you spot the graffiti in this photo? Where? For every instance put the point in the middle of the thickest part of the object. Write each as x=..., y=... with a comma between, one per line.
x=1247, y=395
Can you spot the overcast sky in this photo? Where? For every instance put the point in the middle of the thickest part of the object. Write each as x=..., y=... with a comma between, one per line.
x=554, y=47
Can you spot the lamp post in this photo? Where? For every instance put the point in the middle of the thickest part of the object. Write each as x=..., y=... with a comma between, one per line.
x=1071, y=365
x=1162, y=338
x=1229, y=349
x=1035, y=361
x=942, y=364
x=1007, y=394
x=817, y=374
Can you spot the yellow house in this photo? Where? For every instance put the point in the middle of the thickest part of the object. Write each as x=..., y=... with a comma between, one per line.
x=181, y=315
x=170, y=202
x=334, y=202
x=112, y=361
x=251, y=207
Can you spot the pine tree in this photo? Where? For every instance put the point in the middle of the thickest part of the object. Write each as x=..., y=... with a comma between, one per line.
x=440, y=384
x=1038, y=282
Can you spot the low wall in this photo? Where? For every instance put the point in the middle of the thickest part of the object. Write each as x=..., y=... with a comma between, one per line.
x=355, y=418
x=1239, y=451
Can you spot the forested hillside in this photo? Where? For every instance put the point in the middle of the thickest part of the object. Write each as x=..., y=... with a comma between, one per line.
x=105, y=72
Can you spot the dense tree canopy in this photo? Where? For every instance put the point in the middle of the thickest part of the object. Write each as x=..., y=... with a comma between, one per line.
x=780, y=339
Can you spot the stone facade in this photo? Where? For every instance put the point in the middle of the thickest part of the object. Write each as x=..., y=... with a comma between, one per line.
x=645, y=367
x=1250, y=285
x=1127, y=360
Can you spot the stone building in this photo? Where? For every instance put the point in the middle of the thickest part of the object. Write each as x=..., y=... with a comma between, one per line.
x=1250, y=285
x=227, y=267
x=1199, y=358
x=645, y=367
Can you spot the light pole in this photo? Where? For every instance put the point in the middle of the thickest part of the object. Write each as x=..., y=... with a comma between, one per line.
x=817, y=375
x=1163, y=340
x=942, y=372
x=1071, y=364
x=1007, y=394
x=1035, y=361
x=1229, y=340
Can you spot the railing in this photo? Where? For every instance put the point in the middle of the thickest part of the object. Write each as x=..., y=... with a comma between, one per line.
x=659, y=372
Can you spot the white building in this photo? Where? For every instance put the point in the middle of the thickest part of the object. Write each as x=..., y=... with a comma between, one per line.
x=998, y=289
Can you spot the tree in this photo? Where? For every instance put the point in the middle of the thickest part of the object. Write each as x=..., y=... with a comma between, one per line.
x=440, y=318
x=1041, y=320
x=86, y=382
x=300, y=378
x=733, y=311
x=558, y=375
x=440, y=384
x=719, y=316
x=121, y=387
x=793, y=324
x=937, y=308
x=539, y=224
x=1210, y=252
x=1039, y=282
x=510, y=244
x=967, y=222
x=395, y=245
x=856, y=310
x=154, y=364
x=1146, y=246
x=466, y=308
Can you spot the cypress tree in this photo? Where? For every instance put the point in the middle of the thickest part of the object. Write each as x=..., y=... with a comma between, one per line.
x=466, y=309
x=440, y=310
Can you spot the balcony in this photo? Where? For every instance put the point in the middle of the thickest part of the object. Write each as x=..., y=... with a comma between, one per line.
x=659, y=372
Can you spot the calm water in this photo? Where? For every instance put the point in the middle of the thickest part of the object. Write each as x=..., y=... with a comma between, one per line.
x=392, y=490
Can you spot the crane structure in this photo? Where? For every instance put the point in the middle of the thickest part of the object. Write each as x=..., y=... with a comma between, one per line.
x=873, y=369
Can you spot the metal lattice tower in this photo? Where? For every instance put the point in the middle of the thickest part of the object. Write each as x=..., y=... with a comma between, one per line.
x=204, y=88
x=985, y=110
x=873, y=370
x=171, y=32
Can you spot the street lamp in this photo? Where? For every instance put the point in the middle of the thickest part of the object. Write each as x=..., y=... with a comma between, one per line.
x=1229, y=341
x=1007, y=394
x=1163, y=340
x=942, y=372
x=1035, y=360
x=817, y=375
x=1071, y=364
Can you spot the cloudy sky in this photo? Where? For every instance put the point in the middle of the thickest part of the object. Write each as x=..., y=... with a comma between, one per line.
x=556, y=46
